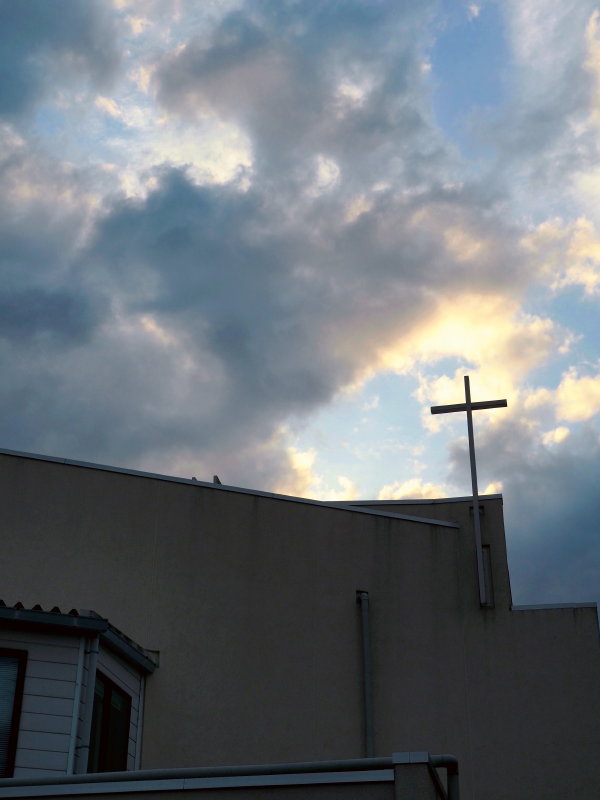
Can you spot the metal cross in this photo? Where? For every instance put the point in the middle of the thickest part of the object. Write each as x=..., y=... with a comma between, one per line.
x=469, y=407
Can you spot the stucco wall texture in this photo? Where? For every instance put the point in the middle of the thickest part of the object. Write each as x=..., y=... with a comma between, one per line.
x=251, y=601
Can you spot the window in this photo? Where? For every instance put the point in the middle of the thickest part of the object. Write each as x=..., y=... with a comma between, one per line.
x=12, y=678
x=109, y=736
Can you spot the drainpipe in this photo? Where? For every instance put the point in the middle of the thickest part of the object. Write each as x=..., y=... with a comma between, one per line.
x=362, y=598
x=140, y=724
x=84, y=747
x=76, y=704
x=450, y=764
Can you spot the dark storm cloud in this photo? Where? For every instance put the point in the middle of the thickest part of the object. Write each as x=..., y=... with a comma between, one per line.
x=225, y=312
x=44, y=206
x=551, y=505
x=31, y=312
x=45, y=40
x=270, y=315
x=266, y=300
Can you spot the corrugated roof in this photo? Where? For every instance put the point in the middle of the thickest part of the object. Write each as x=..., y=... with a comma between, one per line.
x=77, y=623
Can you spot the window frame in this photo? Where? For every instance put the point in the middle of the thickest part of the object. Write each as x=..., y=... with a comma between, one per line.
x=11, y=750
x=110, y=686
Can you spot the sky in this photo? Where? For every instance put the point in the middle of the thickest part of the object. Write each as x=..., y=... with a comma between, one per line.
x=260, y=238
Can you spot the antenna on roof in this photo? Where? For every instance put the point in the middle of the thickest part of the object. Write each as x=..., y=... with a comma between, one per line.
x=216, y=480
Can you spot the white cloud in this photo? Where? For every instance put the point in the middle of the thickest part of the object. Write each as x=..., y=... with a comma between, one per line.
x=150, y=325
x=556, y=435
x=372, y=404
x=304, y=481
x=537, y=398
x=495, y=487
x=137, y=24
x=567, y=253
x=577, y=398
x=413, y=488
x=212, y=152
x=328, y=173
x=489, y=333
x=109, y=106
x=544, y=33
x=592, y=61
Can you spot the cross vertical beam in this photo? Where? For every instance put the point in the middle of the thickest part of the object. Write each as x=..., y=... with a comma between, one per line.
x=476, y=518
x=469, y=407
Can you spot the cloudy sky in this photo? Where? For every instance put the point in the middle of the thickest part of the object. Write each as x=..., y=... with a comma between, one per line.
x=260, y=238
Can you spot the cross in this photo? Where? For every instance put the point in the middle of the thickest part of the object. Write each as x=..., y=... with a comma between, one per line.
x=469, y=407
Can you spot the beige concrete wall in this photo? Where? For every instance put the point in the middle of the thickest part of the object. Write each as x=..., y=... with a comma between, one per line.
x=251, y=602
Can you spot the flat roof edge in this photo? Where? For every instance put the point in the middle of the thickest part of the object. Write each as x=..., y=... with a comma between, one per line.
x=347, y=771
x=419, y=501
x=550, y=606
x=226, y=488
x=220, y=782
x=409, y=517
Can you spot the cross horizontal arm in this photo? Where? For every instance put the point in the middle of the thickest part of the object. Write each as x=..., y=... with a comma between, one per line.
x=474, y=406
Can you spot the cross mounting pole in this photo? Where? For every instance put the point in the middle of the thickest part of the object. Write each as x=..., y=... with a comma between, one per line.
x=469, y=407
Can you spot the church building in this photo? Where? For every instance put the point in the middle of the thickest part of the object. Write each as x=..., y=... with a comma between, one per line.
x=166, y=635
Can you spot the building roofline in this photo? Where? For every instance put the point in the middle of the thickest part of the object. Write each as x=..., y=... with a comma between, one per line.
x=345, y=506
x=550, y=606
x=419, y=501
x=358, y=770
x=79, y=623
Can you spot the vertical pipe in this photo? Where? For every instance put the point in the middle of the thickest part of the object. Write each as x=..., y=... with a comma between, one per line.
x=453, y=789
x=76, y=704
x=140, y=724
x=450, y=763
x=86, y=728
x=476, y=520
x=363, y=599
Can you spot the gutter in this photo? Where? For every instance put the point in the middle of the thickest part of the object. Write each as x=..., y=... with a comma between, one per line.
x=84, y=623
x=358, y=770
